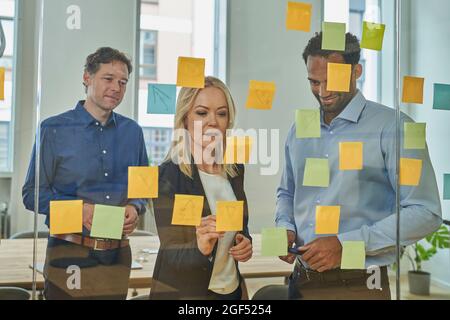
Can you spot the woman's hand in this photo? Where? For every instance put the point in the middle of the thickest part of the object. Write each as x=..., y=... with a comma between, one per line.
x=207, y=235
x=243, y=249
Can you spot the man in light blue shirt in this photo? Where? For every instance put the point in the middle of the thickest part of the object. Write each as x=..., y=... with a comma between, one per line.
x=366, y=197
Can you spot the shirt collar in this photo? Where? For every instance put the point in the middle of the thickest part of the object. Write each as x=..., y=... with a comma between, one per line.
x=87, y=119
x=353, y=110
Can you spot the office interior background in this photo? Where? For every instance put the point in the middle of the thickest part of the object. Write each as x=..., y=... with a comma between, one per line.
x=241, y=40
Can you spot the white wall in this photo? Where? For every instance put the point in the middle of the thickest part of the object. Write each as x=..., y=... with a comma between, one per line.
x=430, y=46
x=103, y=23
x=260, y=48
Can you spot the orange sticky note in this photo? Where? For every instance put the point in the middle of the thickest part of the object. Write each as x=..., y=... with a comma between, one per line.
x=238, y=150
x=191, y=72
x=229, y=215
x=66, y=216
x=338, y=77
x=299, y=16
x=2, y=84
x=142, y=182
x=413, y=90
x=350, y=156
x=187, y=210
x=410, y=172
x=260, y=95
x=327, y=219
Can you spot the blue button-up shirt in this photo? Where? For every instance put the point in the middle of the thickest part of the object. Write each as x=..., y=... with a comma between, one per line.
x=366, y=197
x=83, y=159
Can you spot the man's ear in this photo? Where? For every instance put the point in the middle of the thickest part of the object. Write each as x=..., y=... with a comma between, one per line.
x=86, y=79
x=358, y=71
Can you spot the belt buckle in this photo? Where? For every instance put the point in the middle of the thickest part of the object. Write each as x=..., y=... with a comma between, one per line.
x=96, y=242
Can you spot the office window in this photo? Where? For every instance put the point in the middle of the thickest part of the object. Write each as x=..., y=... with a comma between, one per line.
x=7, y=14
x=148, y=54
x=170, y=29
x=353, y=13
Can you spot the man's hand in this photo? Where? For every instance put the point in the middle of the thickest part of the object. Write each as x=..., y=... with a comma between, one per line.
x=290, y=258
x=243, y=249
x=131, y=219
x=207, y=235
x=88, y=214
x=323, y=254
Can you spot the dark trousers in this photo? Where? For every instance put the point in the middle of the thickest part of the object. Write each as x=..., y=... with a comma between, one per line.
x=336, y=285
x=101, y=275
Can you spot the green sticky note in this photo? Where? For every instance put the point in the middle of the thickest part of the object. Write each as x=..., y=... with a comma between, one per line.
x=373, y=35
x=317, y=173
x=333, y=36
x=441, y=96
x=274, y=242
x=353, y=255
x=446, y=186
x=415, y=135
x=307, y=123
x=107, y=222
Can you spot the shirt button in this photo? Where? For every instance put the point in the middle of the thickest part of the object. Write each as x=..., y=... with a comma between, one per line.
x=310, y=224
x=318, y=201
x=106, y=174
x=104, y=151
x=97, y=123
x=331, y=132
x=107, y=197
x=101, y=129
x=326, y=156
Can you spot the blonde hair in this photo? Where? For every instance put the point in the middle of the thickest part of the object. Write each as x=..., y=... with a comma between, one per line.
x=185, y=102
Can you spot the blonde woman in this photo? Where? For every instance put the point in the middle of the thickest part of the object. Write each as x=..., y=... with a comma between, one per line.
x=198, y=262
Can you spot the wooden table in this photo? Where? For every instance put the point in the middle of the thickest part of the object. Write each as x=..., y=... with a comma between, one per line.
x=16, y=258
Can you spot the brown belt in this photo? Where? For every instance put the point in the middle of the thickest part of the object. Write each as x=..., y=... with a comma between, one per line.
x=93, y=243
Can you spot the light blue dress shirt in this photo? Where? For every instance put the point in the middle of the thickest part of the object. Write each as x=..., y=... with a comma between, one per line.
x=366, y=197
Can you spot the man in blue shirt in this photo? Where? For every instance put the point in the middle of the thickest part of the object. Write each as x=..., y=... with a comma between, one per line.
x=366, y=197
x=85, y=154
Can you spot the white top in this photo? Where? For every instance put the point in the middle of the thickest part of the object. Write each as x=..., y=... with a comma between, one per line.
x=224, y=278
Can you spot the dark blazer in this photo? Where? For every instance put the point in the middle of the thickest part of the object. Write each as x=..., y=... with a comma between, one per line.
x=181, y=270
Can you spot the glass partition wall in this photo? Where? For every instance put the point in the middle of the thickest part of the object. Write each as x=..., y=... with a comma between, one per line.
x=348, y=165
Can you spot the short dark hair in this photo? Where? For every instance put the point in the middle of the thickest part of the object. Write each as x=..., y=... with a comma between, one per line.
x=106, y=55
x=352, y=53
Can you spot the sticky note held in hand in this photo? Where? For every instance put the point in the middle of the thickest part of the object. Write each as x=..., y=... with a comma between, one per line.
x=191, y=72
x=229, y=215
x=274, y=242
x=353, y=255
x=142, y=182
x=187, y=210
x=66, y=216
x=108, y=222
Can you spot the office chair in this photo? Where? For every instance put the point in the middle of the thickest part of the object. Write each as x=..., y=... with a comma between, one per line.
x=272, y=292
x=29, y=235
x=13, y=293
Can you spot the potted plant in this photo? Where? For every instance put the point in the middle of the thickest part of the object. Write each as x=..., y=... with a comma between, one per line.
x=419, y=280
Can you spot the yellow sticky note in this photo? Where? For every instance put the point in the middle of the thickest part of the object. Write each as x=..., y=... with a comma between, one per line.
x=2, y=83
x=238, y=150
x=327, y=219
x=350, y=156
x=191, y=72
x=66, y=216
x=187, y=210
x=260, y=95
x=410, y=172
x=229, y=215
x=373, y=35
x=299, y=16
x=338, y=77
x=413, y=90
x=142, y=182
